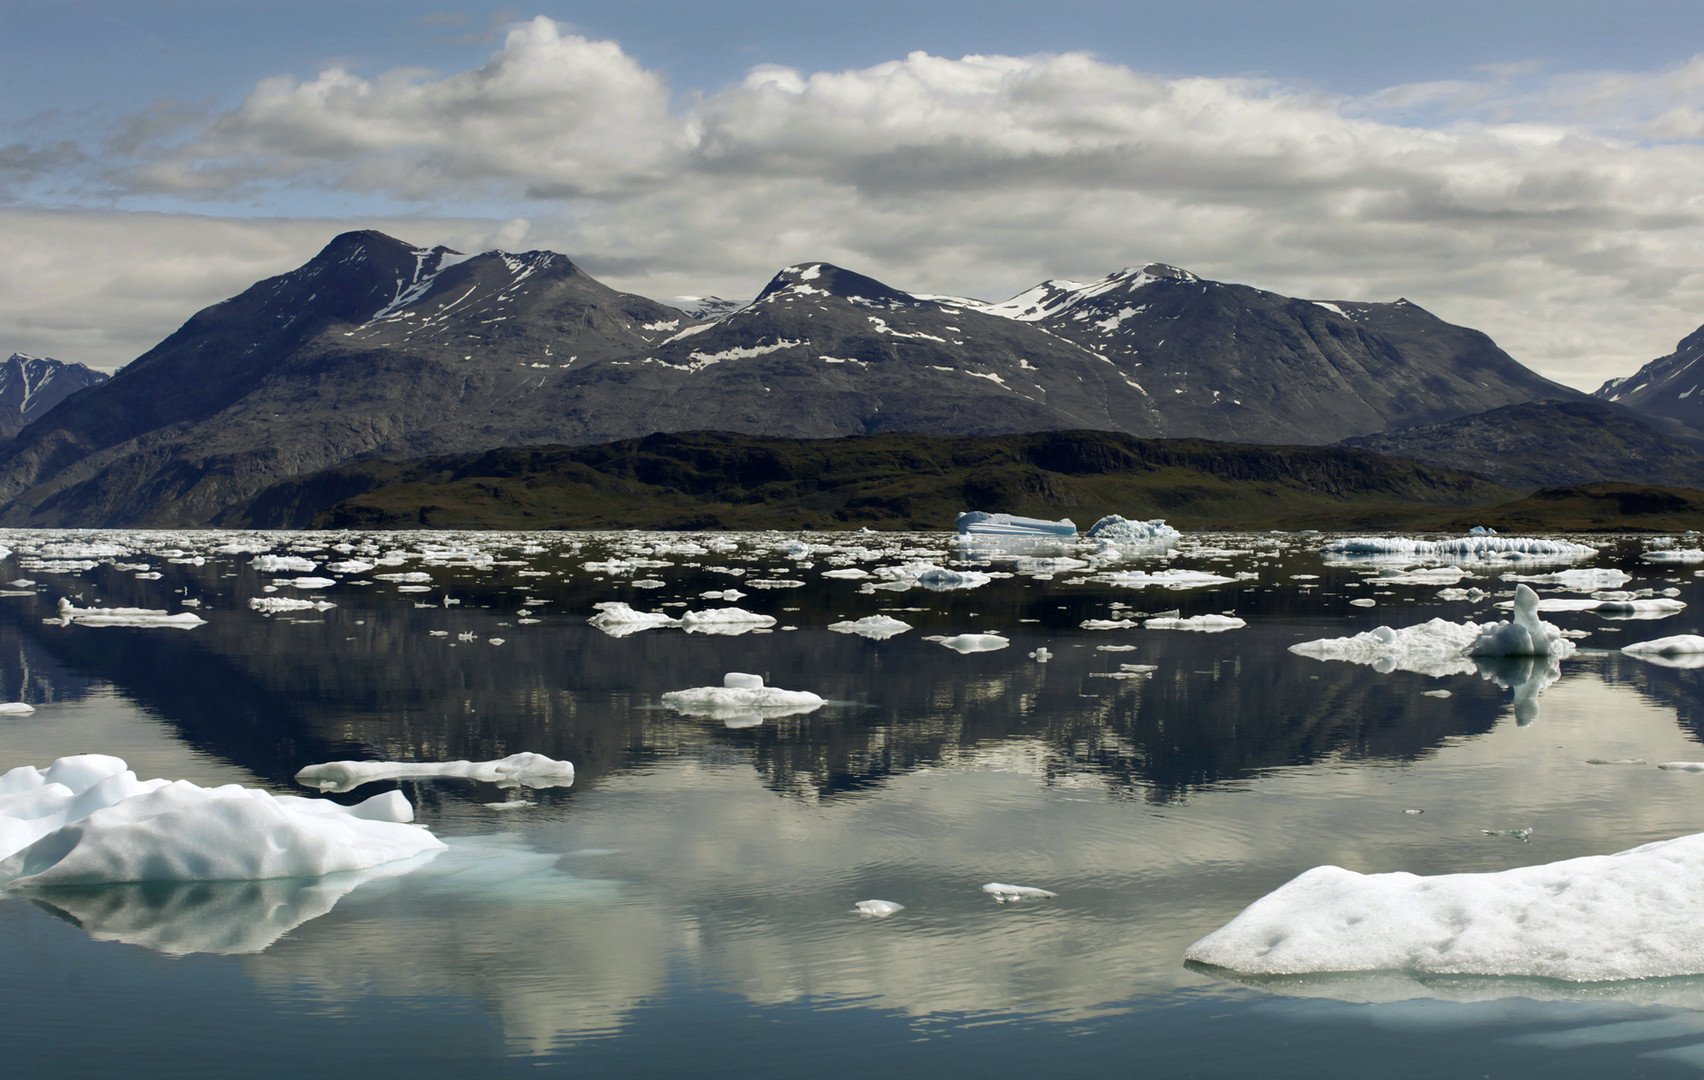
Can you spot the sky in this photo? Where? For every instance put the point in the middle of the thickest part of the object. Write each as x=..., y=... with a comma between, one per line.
x=1533, y=170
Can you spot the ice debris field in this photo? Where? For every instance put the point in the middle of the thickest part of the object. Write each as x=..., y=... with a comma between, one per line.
x=88, y=820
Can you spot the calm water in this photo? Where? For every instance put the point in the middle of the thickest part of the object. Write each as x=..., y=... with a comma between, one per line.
x=686, y=907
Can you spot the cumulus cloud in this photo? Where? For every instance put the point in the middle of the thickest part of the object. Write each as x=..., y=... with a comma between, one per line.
x=1555, y=211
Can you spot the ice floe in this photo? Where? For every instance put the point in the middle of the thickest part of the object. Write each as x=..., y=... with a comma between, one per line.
x=88, y=820
x=1473, y=549
x=70, y=613
x=1164, y=579
x=972, y=643
x=1206, y=624
x=619, y=620
x=1123, y=532
x=270, y=604
x=517, y=770
x=1006, y=894
x=16, y=708
x=875, y=627
x=1631, y=915
x=877, y=909
x=1677, y=651
x=742, y=696
x=729, y=621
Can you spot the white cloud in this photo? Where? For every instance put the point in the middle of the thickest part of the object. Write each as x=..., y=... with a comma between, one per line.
x=1556, y=212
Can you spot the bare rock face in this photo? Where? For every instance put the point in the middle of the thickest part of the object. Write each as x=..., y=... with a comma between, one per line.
x=376, y=348
x=30, y=386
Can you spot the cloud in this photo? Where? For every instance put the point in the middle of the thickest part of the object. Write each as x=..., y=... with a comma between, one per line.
x=1555, y=211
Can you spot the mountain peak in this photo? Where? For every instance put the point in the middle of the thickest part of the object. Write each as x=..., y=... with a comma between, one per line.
x=825, y=279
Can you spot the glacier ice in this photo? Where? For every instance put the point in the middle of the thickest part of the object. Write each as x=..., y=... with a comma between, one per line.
x=524, y=769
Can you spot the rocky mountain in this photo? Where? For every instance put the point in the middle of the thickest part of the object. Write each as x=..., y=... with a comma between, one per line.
x=378, y=348
x=31, y=385
x=1667, y=387
x=1548, y=443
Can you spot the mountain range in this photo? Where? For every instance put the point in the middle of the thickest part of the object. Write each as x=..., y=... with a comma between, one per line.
x=378, y=349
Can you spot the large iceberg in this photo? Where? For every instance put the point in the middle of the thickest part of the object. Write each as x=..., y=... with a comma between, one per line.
x=88, y=820
x=981, y=523
x=1122, y=531
x=1632, y=915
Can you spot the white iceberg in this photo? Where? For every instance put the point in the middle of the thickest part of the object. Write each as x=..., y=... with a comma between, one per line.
x=1479, y=549
x=88, y=820
x=1580, y=579
x=274, y=564
x=619, y=620
x=1439, y=647
x=742, y=695
x=1674, y=555
x=877, y=909
x=972, y=643
x=16, y=708
x=517, y=770
x=875, y=627
x=1524, y=635
x=1119, y=530
x=69, y=614
x=1632, y=915
x=1678, y=651
x=268, y=605
x=1206, y=624
x=980, y=523
x=928, y=575
x=729, y=620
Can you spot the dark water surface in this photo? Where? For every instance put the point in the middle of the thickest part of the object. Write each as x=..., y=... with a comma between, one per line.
x=686, y=907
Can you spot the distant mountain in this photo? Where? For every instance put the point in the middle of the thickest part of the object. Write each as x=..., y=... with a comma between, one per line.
x=378, y=348
x=31, y=385
x=1667, y=386
x=1547, y=444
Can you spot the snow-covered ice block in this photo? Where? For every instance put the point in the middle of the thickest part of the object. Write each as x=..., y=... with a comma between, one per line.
x=517, y=770
x=1632, y=915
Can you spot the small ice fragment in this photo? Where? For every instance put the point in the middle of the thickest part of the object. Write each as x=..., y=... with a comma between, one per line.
x=1005, y=894
x=874, y=627
x=1683, y=766
x=877, y=909
x=1523, y=835
x=16, y=708
x=1414, y=811
x=1435, y=693
x=1041, y=655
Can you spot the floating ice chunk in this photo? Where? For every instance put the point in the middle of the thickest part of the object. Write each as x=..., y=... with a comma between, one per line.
x=269, y=604
x=16, y=708
x=1581, y=579
x=972, y=643
x=88, y=820
x=1363, y=601
x=847, y=573
x=1119, y=530
x=1005, y=894
x=980, y=523
x=877, y=909
x=1675, y=555
x=1436, y=648
x=1683, y=766
x=875, y=627
x=1678, y=651
x=1041, y=655
x=1165, y=579
x=1428, y=575
x=68, y=614
x=729, y=595
x=516, y=770
x=619, y=620
x=309, y=582
x=1525, y=635
x=927, y=575
x=742, y=695
x=276, y=564
x=730, y=620
x=1207, y=624
x=1481, y=549
x=1631, y=915
x=411, y=577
